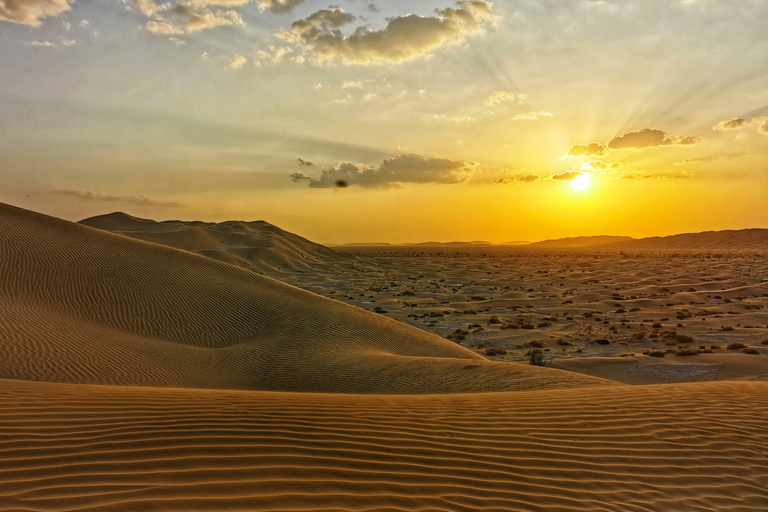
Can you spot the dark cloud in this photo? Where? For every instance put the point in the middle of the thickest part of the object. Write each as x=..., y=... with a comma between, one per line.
x=582, y=150
x=598, y=165
x=407, y=168
x=730, y=124
x=134, y=200
x=647, y=138
x=299, y=176
x=304, y=162
x=566, y=176
x=404, y=37
x=516, y=175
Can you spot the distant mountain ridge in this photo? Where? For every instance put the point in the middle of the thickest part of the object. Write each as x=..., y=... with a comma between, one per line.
x=256, y=245
x=754, y=239
x=580, y=241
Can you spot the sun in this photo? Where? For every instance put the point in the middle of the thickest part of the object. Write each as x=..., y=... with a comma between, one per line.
x=581, y=182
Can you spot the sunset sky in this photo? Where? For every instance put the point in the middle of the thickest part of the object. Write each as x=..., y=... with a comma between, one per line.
x=446, y=121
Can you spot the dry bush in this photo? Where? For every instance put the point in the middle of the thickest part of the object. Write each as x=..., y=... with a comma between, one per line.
x=736, y=346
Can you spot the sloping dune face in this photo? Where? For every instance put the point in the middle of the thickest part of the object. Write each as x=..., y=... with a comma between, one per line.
x=258, y=246
x=81, y=305
x=667, y=448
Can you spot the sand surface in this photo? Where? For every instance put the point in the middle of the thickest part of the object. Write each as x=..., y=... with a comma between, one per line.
x=258, y=246
x=682, y=447
x=135, y=376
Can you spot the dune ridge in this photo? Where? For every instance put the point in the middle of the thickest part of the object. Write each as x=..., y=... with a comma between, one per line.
x=82, y=305
x=692, y=447
x=258, y=246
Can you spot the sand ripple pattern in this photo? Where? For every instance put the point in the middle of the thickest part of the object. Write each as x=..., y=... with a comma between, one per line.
x=680, y=447
x=80, y=305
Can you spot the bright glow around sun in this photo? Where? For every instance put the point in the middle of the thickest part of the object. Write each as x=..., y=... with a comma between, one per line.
x=581, y=183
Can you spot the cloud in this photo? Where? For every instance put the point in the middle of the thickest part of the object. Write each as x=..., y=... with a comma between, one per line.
x=237, y=62
x=405, y=37
x=304, y=162
x=162, y=28
x=763, y=125
x=31, y=12
x=149, y=8
x=208, y=19
x=42, y=43
x=278, y=6
x=730, y=124
x=566, y=176
x=134, y=200
x=62, y=41
x=647, y=138
x=503, y=97
x=275, y=54
x=598, y=165
x=405, y=168
x=582, y=150
x=516, y=175
x=299, y=176
x=533, y=115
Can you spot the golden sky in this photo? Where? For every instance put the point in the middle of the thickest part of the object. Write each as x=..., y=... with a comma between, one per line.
x=477, y=120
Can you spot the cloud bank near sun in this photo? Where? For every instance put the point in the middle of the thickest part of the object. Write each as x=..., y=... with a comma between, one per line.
x=404, y=168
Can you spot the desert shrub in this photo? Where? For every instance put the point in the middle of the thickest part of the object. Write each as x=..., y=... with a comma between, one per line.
x=543, y=324
x=536, y=358
x=526, y=326
x=736, y=346
x=656, y=353
x=657, y=325
x=751, y=351
x=563, y=342
x=726, y=328
x=534, y=343
x=687, y=352
x=638, y=335
x=682, y=338
x=409, y=293
x=494, y=320
x=764, y=342
x=603, y=342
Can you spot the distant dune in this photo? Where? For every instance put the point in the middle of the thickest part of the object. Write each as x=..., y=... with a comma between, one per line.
x=476, y=242
x=258, y=246
x=579, y=241
x=82, y=305
x=730, y=240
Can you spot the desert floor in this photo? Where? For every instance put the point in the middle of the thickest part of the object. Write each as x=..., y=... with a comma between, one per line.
x=638, y=319
x=139, y=377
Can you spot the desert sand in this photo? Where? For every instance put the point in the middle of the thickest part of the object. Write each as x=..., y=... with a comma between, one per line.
x=137, y=376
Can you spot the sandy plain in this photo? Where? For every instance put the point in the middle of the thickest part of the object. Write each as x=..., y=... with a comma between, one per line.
x=136, y=376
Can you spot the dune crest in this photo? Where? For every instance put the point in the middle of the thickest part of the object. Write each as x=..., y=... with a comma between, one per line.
x=258, y=246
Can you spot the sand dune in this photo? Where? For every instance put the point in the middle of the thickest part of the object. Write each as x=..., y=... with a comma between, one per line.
x=578, y=242
x=82, y=305
x=683, y=447
x=258, y=246
x=729, y=240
